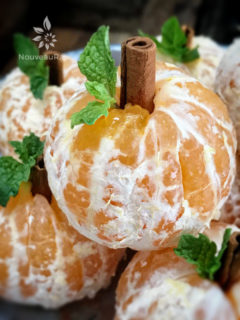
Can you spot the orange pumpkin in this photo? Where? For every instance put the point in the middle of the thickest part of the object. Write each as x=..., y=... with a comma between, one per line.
x=139, y=180
x=204, y=69
x=43, y=260
x=21, y=113
x=227, y=82
x=161, y=285
x=227, y=85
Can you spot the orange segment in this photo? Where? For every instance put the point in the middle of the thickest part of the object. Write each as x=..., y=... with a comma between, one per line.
x=50, y=263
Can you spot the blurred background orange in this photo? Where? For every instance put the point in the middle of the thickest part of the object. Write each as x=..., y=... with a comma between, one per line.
x=73, y=21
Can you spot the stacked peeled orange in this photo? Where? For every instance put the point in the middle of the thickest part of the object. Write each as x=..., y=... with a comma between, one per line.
x=161, y=285
x=204, y=69
x=138, y=179
x=197, y=55
x=227, y=85
x=21, y=113
x=43, y=260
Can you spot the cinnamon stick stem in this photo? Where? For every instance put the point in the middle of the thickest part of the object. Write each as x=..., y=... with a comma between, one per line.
x=230, y=270
x=55, y=63
x=39, y=180
x=189, y=32
x=138, y=68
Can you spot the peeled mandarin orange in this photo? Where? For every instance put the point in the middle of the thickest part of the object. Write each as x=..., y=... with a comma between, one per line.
x=139, y=180
x=227, y=85
x=204, y=68
x=230, y=212
x=233, y=295
x=43, y=260
x=159, y=285
x=227, y=82
x=21, y=113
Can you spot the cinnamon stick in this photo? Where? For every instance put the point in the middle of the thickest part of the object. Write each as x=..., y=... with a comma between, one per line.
x=230, y=270
x=39, y=180
x=55, y=63
x=138, y=66
x=189, y=32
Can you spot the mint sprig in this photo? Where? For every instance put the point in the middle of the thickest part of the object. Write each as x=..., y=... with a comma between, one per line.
x=29, y=149
x=13, y=172
x=201, y=252
x=174, y=42
x=31, y=64
x=97, y=64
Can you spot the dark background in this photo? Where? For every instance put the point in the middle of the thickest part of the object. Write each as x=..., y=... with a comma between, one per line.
x=74, y=20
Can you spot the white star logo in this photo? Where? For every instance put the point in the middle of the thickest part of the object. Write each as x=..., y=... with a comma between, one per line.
x=46, y=38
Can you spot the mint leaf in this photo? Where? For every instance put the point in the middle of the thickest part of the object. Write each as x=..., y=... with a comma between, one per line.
x=31, y=64
x=96, y=61
x=90, y=113
x=29, y=149
x=174, y=42
x=24, y=47
x=97, y=64
x=38, y=84
x=201, y=252
x=154, y=39
x=226, y=238
x=190, y=55
x=13, y=172
x=172, y=34
x=98, y=90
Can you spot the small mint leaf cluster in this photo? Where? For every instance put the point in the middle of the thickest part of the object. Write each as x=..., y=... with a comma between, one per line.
x=34, y=67
x=173, y=42
x=13, y=172
x=97, y=64
x=201, y=252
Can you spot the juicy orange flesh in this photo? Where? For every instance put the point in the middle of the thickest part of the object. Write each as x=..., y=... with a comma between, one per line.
x=128, y=123
x=140, y=272
x=43, y=230
x=187, y=174
x=53, y=100
x=126, y=127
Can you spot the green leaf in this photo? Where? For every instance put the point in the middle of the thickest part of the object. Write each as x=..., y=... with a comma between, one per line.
x=190, y=55
x=98, y=90
x=96, y=61
x=38, y=84
x=154, y=39
x=13, y=172
x=27, y=53
x=202, y=253
x=174, y=42
x=90, y=113
x=172, y=34
x=29, y=149
x=31, y=64
x=97, y=64
x=226, y=238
